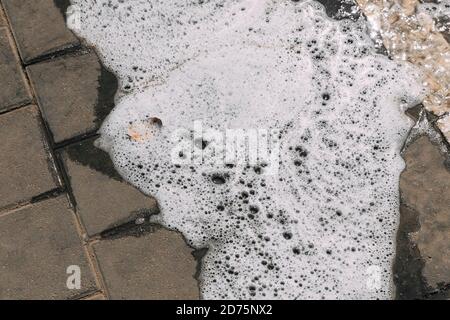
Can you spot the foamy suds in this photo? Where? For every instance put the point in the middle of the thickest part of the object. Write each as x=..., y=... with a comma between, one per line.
x=316, y=216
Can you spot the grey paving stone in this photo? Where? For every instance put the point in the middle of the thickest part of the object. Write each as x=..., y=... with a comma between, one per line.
x=26, y=168
x=75, y=94
x=14, y=91
x=37, y=245
x=102, y=198
x=423, y=248
x=158, y=265
x=39, y=27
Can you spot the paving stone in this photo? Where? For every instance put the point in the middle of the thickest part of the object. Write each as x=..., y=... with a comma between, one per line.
x=37, y=245
x=102, y=198
x=156, y=266
x=75, y=94
x=425, y=223
x=39, y=27
x=2, y=18
x=14, y=91
x=26, y=168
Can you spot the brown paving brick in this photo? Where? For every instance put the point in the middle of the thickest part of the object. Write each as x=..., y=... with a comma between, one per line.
x=102, y=198
x=75, y=94
x=14, y=91
x=39, y=27
x=423, y=248
x=37, y=244
x=158, y=265
x=26, y=168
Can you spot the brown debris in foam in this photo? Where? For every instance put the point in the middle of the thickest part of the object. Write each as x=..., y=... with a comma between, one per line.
x=409, y=34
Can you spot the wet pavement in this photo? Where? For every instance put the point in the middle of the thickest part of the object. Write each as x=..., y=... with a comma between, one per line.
x=422, y=265
x=63, y=203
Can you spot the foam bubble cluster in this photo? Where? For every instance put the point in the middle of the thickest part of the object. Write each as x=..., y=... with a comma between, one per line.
x=268, y=133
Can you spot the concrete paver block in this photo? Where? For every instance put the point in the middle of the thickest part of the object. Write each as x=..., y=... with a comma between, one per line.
x=2, y=18
x=39, y=27
x=37, y=245
x=26, y=167
x=156, y=266
x=75, y=94
x=425, y=199
x=14, y=91
x=102, y=198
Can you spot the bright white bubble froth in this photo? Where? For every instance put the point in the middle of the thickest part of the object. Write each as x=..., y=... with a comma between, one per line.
x=313, y=218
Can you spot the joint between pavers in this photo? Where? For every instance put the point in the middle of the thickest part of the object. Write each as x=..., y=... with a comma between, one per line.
x=72, y=50
x=47, y=141
x=47, y=195
x=65, y=184
x=86, y=295
x=57, y=168
x=17, y=107
x=48, y=145
x=54, y=193
x=56, y=52
x=65, y=180
x=77, y=139
x=11, y=36
x=48, y=138
x=24, y=75
x=95, y=267
x=98, y=295
x=90, y=254
x=91, y=257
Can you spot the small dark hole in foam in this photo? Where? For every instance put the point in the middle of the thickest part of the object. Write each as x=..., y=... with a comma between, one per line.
x=287, y=235
x=156, y=121
x=218, y=179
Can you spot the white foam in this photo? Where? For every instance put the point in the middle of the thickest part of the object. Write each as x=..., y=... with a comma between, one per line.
x=439, y=9
x=323, y=225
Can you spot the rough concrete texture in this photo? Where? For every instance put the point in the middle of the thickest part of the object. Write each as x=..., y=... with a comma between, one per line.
x=423, y=245
x=2, y=18
x=39, y=27
x=75, y=94
x=97, y=296
x=158, y=265
x=27, y=169
x=37, y=244
x=14, y=91
x=101, y=197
